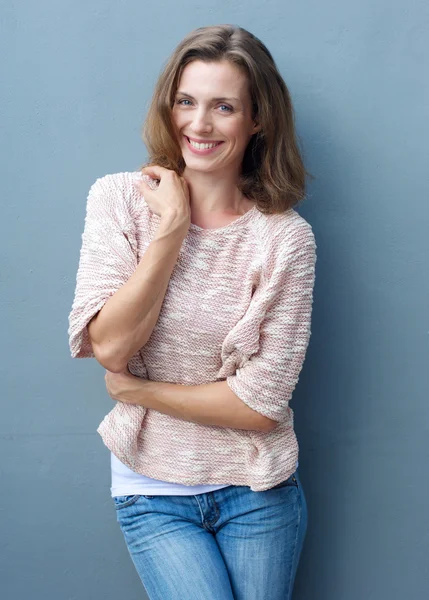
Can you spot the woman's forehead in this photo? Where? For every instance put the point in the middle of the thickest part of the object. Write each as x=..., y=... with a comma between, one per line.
x=222, y=78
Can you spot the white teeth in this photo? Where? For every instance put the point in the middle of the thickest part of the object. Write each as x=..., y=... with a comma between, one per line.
x=202, y=146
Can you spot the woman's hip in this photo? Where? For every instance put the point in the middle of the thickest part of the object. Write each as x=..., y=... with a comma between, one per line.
x=254, y=537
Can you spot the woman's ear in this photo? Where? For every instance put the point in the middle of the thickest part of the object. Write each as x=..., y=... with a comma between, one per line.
x=256, y=127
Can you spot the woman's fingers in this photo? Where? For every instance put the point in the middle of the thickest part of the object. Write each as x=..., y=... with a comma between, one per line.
x=154, y=171
x=150, y=181
x=165, y=192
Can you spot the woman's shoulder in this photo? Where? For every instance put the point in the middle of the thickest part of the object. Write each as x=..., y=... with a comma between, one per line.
x=286, y=239
x=117, y=182
x=285, y=231
x=121, y=178
x=118, y=192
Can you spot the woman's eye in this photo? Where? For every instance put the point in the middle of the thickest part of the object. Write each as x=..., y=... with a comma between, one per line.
x=222, y=106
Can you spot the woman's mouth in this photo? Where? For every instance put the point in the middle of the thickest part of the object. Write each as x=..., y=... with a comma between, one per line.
x=202, y=149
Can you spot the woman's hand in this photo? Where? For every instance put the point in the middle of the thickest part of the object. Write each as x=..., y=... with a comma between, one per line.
x=171, y=197
x=125, y=387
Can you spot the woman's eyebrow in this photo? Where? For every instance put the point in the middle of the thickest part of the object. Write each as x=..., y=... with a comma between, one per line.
x=223, y=98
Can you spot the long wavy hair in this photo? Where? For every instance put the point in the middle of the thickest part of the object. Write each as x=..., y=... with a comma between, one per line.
x=273, y=173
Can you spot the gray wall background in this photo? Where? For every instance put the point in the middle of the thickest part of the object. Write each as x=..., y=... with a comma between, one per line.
x=75, y=83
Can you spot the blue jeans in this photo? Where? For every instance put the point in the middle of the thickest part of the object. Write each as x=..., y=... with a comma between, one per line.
x=229, y=544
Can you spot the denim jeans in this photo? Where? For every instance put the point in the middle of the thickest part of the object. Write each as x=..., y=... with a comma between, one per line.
x=229, y=544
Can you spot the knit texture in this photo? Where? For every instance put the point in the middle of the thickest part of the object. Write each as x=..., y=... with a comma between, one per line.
x=237, y=308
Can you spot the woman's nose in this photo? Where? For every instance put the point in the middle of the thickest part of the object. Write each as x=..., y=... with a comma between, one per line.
x=201, y=121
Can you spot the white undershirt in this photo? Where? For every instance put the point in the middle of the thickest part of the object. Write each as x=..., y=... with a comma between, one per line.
x=128, y=483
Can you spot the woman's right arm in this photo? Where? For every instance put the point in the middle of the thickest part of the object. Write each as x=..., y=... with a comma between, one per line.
x=126, y=321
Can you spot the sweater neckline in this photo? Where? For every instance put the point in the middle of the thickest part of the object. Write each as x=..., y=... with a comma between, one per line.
x=238, y=222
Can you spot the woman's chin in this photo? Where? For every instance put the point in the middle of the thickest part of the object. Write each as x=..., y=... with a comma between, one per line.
x=196, y=164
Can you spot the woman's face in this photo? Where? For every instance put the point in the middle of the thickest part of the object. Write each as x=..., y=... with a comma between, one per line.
x=213, y=106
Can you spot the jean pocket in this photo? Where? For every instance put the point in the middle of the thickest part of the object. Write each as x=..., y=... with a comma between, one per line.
x=124, y=501
x=291, y=481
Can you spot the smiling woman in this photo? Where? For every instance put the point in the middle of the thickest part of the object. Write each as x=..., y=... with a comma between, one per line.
x=205, y=125
x=195, y=292
x=239, y=81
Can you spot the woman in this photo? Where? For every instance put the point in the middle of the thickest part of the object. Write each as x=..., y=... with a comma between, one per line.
x=194, y=291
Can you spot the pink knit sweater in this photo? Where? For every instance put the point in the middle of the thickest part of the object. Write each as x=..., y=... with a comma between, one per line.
x=237, y=307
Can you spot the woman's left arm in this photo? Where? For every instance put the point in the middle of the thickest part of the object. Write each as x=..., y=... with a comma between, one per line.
x=209, y=404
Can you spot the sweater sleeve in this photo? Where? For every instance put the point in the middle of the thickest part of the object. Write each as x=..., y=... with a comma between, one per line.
x=108, y=257
x=268, y=374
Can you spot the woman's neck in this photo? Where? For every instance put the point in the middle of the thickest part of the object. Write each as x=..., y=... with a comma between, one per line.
x=214, y=194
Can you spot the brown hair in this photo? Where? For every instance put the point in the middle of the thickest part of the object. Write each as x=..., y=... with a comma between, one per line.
x=273, y=173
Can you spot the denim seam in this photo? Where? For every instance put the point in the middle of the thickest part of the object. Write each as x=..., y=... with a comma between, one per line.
x=201, y=512
x=212, y=521
x=129, y=502
x=291, y=579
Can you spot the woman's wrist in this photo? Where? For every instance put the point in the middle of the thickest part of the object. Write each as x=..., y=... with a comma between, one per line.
x=174, y=222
